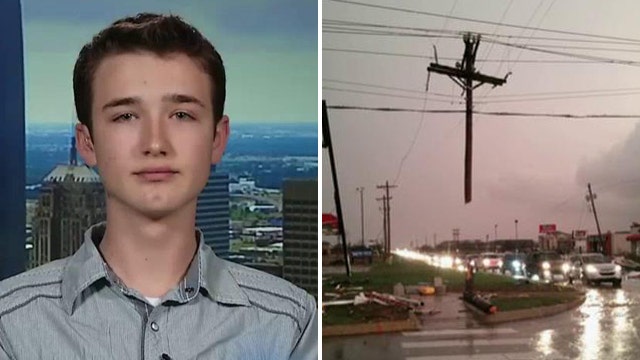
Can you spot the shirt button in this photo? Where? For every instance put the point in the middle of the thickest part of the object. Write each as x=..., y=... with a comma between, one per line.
x=154, y=326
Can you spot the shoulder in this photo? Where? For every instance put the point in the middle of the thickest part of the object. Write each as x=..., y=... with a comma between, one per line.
x=273, y=294
x=44, y=281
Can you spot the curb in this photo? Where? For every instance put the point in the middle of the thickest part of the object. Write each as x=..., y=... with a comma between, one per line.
x=410, y=324
x=524, y=314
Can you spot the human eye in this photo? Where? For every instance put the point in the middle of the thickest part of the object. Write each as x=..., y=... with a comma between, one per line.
x=181, y=115
x=124, y=117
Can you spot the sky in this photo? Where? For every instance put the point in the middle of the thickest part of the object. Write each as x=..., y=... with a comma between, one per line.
x=270, y=51
x=531, y=169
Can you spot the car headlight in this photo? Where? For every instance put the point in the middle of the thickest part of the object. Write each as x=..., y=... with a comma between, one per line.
x=546, y=265
x=485, y=262
x=446, y=261
x=618, y=268
x=591, y=269
x=566, y=267
x=516, y=264
x=547, y=274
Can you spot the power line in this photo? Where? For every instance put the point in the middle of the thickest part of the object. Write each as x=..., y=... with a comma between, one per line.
x=493, y=113
x=418, y=56
x=492, y=101
x=495, y=30
x=513, y=64
x=565, y=32
x=332, y=30
x=487, y=99
x=566, y=47
x=343, y=24
x=384, y=94
x=573, y=55
x=595, y=92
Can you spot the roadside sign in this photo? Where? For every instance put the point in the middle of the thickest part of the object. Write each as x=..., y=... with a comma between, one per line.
x=547, y=228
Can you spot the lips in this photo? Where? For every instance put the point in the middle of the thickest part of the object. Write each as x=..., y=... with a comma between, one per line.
x=156, y=174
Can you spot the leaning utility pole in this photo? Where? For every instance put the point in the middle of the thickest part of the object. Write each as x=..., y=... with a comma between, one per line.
x=387, y=212
x=327, y=143
x=464, y=74
x=590, y=199
x=361, y=190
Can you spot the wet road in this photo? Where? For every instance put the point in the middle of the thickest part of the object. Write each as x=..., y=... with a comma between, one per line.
x=604, y=327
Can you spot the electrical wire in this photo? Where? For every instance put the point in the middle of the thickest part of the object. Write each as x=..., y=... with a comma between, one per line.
x=489, y=89
x=495, y=30
x=417, y=56
x=493, y=113
x=410, y=11
x=573, y=55
x=488, y=100
x=345, y=25
x=521, y=95
x=384, y=94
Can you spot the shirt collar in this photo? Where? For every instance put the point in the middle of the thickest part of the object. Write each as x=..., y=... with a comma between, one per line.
x=207, y=271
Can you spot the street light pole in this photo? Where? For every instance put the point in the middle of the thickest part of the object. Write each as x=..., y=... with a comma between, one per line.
x=495, y=229
x=516, y=229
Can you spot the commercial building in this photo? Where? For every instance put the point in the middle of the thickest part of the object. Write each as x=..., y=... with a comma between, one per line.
x=71, y=199
x=212, y=213
x=300, y=233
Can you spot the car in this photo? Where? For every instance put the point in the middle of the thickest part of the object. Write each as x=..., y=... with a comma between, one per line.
x=595, y=268
x=490, y=261
x=514, y=264
x=547, y=266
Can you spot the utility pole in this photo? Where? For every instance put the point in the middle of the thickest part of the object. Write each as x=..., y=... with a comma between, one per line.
x=516, y=229
x=590, y=199
x=361, y=190
x=464, y=74
x=384, y=224
x=387, y=215
x=327, y=143
x=495, y=229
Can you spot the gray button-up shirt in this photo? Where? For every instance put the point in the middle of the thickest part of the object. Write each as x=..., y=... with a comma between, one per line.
x=76, y=308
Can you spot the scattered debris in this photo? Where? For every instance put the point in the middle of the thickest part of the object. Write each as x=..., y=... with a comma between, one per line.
x=633, y=275
x=426, y=290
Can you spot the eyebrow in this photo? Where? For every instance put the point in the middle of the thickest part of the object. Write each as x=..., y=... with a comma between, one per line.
x=169, y=98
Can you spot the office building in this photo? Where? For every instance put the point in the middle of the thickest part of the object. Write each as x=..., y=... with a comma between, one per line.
x=212, y=214
x=300, y=233
x=71, y=199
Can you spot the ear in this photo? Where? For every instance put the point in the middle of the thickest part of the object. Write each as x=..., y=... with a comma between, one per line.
x=85, y=145
x=220, y=137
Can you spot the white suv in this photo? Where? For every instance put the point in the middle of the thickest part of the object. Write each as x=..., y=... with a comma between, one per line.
x=594, y=268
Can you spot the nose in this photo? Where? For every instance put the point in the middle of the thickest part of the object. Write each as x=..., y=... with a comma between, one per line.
x=154, y=138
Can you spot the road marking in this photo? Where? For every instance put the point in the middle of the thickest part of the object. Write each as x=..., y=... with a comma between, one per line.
x=496, y=331
x=463, y=342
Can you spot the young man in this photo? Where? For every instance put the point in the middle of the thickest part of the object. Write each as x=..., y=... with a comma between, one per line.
x=149, y=93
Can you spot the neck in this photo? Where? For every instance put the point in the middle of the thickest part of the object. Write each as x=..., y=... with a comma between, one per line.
x=149, y=255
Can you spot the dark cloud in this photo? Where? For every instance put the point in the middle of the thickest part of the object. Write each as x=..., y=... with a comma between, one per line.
x=616, y=172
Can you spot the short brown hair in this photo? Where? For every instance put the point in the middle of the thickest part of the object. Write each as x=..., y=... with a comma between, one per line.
x=158, y=34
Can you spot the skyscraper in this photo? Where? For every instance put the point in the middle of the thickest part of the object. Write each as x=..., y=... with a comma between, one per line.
x=300, y=233
x=12, y=140
x=212, y=213
x=71, y=199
